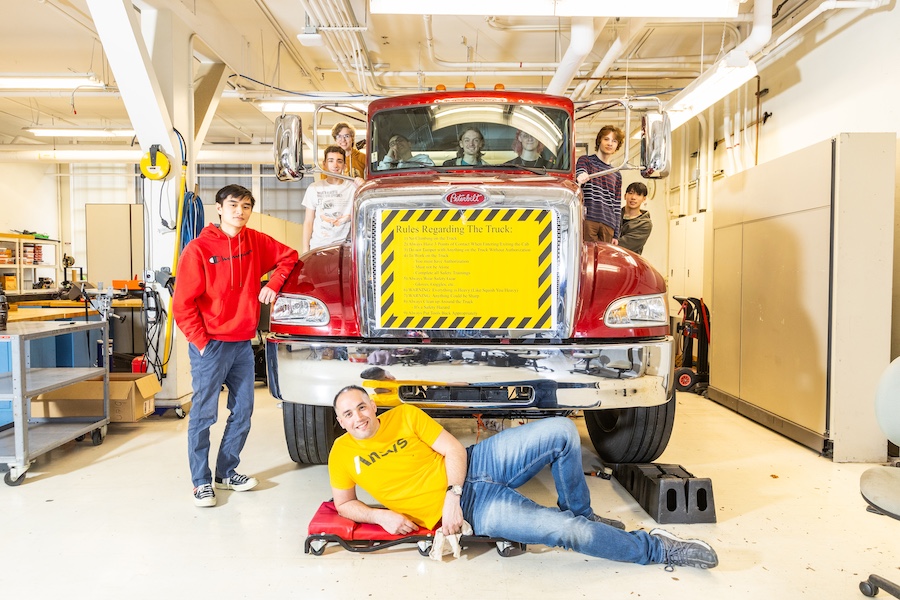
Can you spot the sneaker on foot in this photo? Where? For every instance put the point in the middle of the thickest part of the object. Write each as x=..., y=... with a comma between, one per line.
x=611, y=522
x=204, y=495
x=685, y=553
x=237, y=482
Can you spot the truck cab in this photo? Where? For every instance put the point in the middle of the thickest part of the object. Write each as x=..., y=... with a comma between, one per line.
x=467, y=289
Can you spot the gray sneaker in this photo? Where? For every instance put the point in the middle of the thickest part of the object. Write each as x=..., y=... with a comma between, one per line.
x=237, y=482
x=611, y=522
x=685, y=553
x=204, y=495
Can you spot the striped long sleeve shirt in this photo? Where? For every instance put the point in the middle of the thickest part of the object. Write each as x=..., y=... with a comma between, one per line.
x=602, y=195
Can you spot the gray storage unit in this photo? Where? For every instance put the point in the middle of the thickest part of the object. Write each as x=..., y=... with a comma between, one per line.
x=801, y=304
x=29, y=436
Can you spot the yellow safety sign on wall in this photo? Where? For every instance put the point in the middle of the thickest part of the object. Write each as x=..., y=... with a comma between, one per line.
x=467, y=269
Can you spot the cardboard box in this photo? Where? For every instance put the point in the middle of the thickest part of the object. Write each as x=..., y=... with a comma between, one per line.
x=131, y=398
x=10, y=282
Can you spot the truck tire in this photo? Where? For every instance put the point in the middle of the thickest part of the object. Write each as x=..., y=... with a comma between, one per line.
x=310, y=432
x=631, y=435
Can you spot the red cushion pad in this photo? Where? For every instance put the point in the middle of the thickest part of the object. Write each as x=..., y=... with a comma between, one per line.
x=327, y=520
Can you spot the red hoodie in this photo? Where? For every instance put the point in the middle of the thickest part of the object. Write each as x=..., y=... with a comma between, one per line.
x=218, y=283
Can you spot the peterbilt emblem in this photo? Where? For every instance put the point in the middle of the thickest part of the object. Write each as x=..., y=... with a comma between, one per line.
x=464, y=197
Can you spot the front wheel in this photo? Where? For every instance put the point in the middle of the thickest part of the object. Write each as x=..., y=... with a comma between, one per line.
x=310, y=432
x=631, y=435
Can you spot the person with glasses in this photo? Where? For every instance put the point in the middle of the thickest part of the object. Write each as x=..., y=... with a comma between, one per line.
x=400, y=156
x=529, y=151
x=354, y=160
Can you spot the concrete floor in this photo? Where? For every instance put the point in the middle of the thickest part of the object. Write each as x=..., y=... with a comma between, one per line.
x=118, y=521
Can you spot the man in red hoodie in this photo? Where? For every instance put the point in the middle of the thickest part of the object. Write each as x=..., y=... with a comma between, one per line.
x=216, y=306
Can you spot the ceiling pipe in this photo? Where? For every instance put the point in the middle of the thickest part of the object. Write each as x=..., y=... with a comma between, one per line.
x=761, y=30
x=584, y=35
x=584, y=89
x=495, y=66
x=313, y=9
x=284, y=39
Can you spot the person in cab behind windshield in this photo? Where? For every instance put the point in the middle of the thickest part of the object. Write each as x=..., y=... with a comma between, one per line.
x=469, y=154
x=399, y=155
x=529, y=151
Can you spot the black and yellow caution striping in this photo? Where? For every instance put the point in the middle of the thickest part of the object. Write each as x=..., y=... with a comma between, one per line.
x=481, y=268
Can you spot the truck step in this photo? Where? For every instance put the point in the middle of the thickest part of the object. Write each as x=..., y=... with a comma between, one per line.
x=669, y=493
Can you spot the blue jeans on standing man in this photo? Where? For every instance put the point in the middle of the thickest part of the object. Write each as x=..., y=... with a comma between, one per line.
x=504, y=462
x=231, y=364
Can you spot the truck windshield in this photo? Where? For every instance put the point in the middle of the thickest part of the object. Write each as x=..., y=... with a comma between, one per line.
x=465, y=134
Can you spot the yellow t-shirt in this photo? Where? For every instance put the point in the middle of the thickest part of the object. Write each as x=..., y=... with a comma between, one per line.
x=397, y=465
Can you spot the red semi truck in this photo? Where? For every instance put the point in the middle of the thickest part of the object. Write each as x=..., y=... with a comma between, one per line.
x=467, y=289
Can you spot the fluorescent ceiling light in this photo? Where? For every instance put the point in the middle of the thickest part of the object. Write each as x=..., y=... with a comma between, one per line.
x=725, y=9
x=62, y=81
x=78, y=132
x=715, y=83
x=272, y=106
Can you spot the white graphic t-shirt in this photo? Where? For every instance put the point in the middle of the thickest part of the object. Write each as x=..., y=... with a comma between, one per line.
x=330, y=202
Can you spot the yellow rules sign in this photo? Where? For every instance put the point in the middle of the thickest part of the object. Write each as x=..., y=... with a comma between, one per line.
x=467, y=269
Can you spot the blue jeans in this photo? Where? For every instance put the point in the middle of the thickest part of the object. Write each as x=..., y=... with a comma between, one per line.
x=229, y=363
x=504, y=462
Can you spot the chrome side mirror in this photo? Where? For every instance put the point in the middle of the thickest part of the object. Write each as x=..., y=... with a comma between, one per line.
x=288, y=148
x=656, y=145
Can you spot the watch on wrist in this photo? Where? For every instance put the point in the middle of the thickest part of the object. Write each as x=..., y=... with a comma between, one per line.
x=456, y=489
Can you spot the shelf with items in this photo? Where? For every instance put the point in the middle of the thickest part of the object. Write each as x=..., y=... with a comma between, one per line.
x=30, y=435
x=26, y=262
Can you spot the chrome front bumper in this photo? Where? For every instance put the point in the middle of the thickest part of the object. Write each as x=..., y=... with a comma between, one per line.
x=477, y=377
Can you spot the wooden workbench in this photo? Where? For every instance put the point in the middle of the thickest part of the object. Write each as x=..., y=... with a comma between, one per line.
x=47, y=314
x=51, y=310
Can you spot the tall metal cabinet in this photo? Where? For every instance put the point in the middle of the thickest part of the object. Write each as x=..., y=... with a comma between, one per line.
x=30, y=437
x=801, y=302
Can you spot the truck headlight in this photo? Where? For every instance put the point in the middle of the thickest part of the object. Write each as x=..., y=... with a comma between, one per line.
x=637, y=311
x=292, y=309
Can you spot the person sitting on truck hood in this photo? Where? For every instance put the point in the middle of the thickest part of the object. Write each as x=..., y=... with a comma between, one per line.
x=469, y=154
x=529, y=151
x=423, y=476
x=400, y=155
x=328, y=205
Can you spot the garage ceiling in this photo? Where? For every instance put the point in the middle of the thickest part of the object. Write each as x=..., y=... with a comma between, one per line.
x=362, y=56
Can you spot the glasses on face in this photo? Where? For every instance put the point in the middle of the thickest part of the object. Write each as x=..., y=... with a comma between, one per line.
x=396, y=141
x=343, y=136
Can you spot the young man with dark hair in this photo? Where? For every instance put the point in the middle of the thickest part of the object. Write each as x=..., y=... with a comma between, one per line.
x=422, y=475
x=329, y=204
x=636, y=224
x=216, y=305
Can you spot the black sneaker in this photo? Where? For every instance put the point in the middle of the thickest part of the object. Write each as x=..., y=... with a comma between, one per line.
x=204, y=495
x=685, y=553
x=611, y=522
x=237, y=482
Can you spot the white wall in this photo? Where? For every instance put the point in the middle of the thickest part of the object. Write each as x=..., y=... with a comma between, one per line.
x=839, y=74
x=29, y=198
